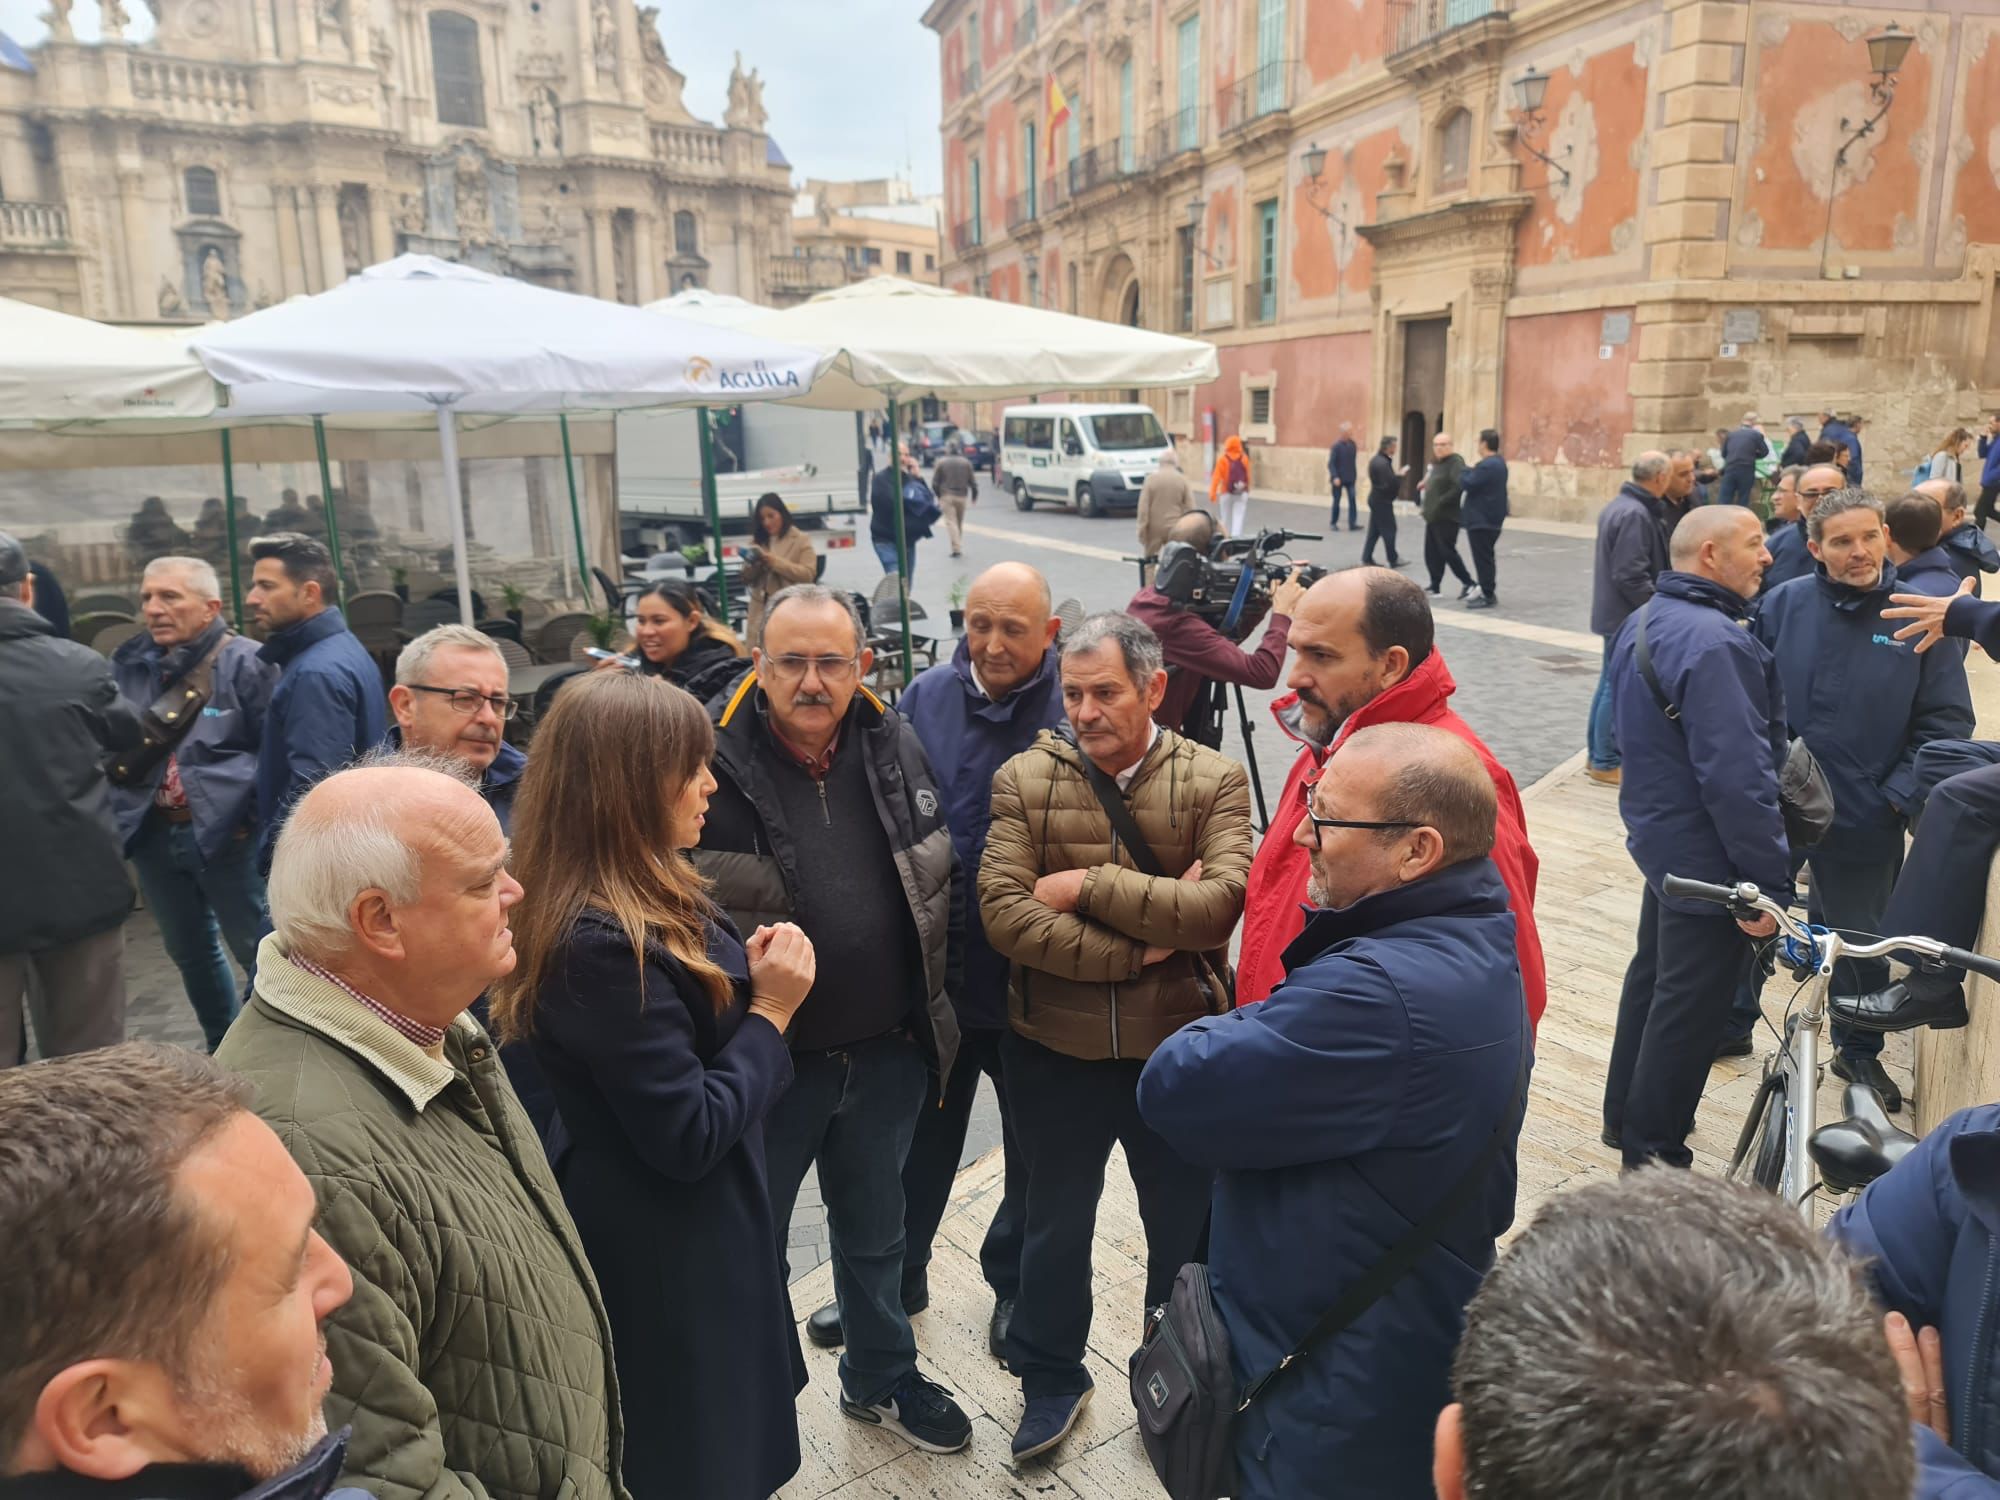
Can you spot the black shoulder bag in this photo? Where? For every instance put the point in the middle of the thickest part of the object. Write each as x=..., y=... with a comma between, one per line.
x=1211, y=972
x=1183, y=1380
x=1804, y=795
x=167, y=720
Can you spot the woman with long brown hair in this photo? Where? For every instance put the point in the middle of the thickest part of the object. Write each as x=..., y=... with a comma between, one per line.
x=676, y=638
x=661, y=1033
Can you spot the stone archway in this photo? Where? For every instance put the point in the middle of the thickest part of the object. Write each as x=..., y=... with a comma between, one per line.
x=1128, y=305
x=1118, y=291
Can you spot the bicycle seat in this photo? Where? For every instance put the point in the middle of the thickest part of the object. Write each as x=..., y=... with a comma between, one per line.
x=1853, y=1152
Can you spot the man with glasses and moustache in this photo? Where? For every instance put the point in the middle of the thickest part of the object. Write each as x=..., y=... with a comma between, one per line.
x=826, y=814
x=451, y=699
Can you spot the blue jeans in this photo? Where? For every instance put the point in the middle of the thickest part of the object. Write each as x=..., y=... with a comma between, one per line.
x=885, y=553
x=1600, y=736
x=1346, y=487
x=199, y=904
x=1738, y=485
x=853, y=1110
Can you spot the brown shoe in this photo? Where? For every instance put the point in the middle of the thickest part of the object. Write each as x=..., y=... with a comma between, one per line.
x=1611, y=777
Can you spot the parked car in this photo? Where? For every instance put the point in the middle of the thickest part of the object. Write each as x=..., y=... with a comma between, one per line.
x=932, y=441
x=1093, y=457
x=981, y=450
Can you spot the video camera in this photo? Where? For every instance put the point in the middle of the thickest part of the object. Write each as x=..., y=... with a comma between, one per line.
x=1220, y=586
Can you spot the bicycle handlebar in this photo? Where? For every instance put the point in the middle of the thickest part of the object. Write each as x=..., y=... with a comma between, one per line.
x=1745, y=901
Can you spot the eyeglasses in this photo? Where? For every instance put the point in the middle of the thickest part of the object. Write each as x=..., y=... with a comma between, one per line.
x=829, y=668
x=1832, y=489
x=1306, y=798
x=468, y=702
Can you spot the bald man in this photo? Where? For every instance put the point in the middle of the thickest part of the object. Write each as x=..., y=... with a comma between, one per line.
x=1364, y=652
x=472, y=1298
x=1700, y=801
x=1383, y=1078
x=972, y=715
x=1199, y=655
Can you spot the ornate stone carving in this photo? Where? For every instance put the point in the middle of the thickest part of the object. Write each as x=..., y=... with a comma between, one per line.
x=56, y=18
x=172, y=304
x=650, y=46
x=550, y=229
x=746, y=99
x=113, y=18
x=1492, y=283
x=471, y=200
x=544, y=122
x=380, y=53
x=410, y=217
x=540, y=64
x=340, y=91
x=603, y=37
x=332, y=18
x=200, y=20
x=214, y=281
x=353, y=232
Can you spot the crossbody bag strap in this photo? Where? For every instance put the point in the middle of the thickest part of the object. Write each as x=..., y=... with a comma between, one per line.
x=1645, y=660
x=1404, y=1254
x=168, y=719
x=1120, y=812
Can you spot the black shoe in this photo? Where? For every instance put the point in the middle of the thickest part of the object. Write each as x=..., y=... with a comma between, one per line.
x=996, y=1328
x=1482, y=601
x=1868, y=1070
x=1920, y=1000
x=1466, y=591
x=919, y=1410
x=1611, y=1138
x=1046, y=1421
x=823, y=1327
x=1735, y=1046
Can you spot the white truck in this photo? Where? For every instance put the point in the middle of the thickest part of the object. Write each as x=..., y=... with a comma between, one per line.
x=815, y=461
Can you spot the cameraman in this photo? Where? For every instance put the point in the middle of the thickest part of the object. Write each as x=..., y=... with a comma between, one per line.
x=1197, y=652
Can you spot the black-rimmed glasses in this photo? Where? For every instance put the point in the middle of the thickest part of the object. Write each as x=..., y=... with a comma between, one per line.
x=468, y=702
x=1306, y=797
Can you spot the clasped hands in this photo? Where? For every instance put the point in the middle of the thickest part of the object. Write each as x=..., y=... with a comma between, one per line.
x=1060, y=892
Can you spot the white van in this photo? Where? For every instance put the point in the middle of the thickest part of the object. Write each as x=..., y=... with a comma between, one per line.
x=1092, y=457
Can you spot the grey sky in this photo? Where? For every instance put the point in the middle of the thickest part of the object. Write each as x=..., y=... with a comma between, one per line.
x=851, y=85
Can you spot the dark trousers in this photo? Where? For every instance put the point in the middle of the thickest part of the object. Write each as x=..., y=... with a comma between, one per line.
x=1484, y=544
x=1937, y=763
x=1678, y=990
x=1441, y=552
x=853, y=1110
x=200, y=904
x=1942, y=890
x=1737, y=486
x=1989, y=496
x=1353, y=518
x=1067, y=1115
x=1382, y=525
x=933, y=1164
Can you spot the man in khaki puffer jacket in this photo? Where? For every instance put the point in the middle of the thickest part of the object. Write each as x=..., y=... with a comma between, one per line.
x=1108, y=961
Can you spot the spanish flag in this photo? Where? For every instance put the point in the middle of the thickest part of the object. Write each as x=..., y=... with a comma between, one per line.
x=1058, y=117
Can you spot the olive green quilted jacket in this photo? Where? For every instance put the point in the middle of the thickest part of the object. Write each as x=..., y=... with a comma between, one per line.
x=474, y=1359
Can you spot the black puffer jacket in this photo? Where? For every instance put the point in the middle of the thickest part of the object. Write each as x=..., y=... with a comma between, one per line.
x=60, y=714
x=747, y=850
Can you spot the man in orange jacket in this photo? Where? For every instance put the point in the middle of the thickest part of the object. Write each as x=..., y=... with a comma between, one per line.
x=1363, y=653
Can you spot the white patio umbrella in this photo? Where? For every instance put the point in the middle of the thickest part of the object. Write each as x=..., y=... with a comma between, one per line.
x=418, y=334
x=718, y=309
x=58, y=369
x=898, y=340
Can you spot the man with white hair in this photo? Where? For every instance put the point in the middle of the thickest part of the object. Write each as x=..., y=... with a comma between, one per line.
x=186, y=797
x=474, y=1358
x=63, y=893
x=451, y=699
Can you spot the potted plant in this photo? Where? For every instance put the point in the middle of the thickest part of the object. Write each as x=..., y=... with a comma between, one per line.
x=601, y=628
x=512, y=594
x=400, y=581
x=958, y=591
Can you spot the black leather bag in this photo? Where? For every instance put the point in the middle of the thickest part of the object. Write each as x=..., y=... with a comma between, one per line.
x=167, y=720
x=1183, y=1378
x=1805, y=797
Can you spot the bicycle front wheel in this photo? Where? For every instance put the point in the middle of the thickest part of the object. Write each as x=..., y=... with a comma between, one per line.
x=1760, y=1150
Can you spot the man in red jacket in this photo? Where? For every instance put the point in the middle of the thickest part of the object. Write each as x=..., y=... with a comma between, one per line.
x=1363, y=653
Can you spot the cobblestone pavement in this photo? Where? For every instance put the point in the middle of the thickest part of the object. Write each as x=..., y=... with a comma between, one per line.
x=1525, y=674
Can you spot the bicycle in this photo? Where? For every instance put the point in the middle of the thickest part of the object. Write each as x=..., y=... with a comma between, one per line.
x=1779, y=1147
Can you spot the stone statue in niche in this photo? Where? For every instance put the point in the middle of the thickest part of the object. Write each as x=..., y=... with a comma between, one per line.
x=410, y=214
x=650, y=45
x=545, y=122
x=332, y=15
x=56, y=18
x=746, y=99
x=214, y=283
x=604, y=36
x=353, y=235
x=550, y=229
x=470, y=198
x=172, y=304
x=113, y=18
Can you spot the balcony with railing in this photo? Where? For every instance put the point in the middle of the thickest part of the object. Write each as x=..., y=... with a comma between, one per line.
x=1418, y=24
x=696, y=150
x=1021, y=210
x=33, y=225
x=1106, y=162
x=209, y=92
x=1262, y=95
x=1178, y=132
x=966, y=235
x=803, y=275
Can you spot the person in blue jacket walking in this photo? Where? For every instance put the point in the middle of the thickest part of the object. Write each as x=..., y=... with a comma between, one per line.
x=328, y=707
x=1482, y=512
x=1340, y=475
x=1865, y=703
x=920, y=513
x=1833, y=430
x=1342, y=1109
x=972, y=715
x=1929, y=1232
x=189, y=817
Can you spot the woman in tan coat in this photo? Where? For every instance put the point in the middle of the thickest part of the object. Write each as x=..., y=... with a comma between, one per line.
x=781, y=556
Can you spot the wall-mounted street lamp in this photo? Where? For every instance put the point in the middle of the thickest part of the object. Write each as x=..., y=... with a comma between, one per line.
x=1314, y=162
x=1886, y=50
x=1530, y=89
x=1196, y=208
